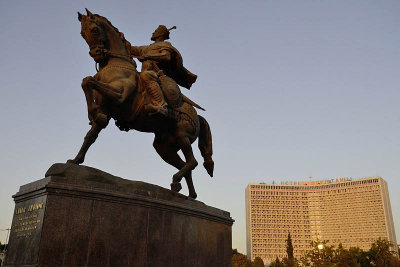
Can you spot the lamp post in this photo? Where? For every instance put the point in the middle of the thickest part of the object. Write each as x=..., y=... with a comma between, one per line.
x=321, y=252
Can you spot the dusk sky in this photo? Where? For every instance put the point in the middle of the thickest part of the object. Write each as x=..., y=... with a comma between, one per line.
x=294, y=90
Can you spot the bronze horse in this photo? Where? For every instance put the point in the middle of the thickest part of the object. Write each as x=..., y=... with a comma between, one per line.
x=114, y=93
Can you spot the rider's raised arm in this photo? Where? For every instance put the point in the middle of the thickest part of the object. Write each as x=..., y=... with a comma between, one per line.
x=163, y=56
x=138, y=50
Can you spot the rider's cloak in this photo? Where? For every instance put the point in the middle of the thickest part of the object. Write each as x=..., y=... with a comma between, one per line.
x=174, y=68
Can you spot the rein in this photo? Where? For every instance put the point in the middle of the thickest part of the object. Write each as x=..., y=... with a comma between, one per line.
x=127, y=58
x=107, y=53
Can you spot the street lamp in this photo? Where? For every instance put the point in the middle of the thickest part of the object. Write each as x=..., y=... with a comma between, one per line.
x=320, y=253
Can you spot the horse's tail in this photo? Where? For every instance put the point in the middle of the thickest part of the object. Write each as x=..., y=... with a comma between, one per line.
x=205, y=145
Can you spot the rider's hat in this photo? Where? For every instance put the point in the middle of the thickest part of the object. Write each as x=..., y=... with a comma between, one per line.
x=161, y=31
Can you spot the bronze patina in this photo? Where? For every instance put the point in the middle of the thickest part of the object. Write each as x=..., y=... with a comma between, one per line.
x=150, y=101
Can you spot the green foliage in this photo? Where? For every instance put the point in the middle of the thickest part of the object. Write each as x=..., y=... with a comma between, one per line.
x=348, y=258
x=277, y=263
x=240, y=260
x=258, y=262
x=394, y=262
x=365, y=259
x=289, y=247
x=289, y=261
x=321, y=254
x=381, y=255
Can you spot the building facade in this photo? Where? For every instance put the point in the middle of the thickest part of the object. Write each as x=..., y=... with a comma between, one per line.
x=351, y=212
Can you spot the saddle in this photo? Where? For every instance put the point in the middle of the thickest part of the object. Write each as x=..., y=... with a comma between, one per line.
x=178, y=103
x=172, y=92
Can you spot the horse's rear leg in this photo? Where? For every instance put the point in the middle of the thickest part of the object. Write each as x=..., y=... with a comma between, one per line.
x=191, y=163
x=168, y=153
x=186, y=146
x=89, y=139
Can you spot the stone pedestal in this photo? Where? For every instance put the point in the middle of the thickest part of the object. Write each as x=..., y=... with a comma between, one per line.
x=81, y=216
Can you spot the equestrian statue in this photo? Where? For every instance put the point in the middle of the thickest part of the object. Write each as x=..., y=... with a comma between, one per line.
x=149, y=101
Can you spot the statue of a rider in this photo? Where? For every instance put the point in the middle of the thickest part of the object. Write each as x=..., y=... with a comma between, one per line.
x=162, y=70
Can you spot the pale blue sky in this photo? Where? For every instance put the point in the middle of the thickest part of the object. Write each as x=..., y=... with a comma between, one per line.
x=293, y=89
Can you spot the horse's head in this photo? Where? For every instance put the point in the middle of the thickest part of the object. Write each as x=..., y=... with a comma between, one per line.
x=94, y=33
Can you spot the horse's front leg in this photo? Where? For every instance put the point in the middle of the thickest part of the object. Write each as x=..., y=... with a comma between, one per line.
x=89, y=139
x=108, y=91
x=91, y=105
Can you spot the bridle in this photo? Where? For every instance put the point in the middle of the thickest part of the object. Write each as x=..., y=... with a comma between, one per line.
x=105, y=53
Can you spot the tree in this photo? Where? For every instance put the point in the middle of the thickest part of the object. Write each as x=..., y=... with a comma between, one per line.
x=240, y=260
x=321, y=254
x=365, y=259
x=380, y=253
x=258, y=262
x=276, y=263
x=304, y=261
x=345, y=258
x=289, y=261
x=289, y=247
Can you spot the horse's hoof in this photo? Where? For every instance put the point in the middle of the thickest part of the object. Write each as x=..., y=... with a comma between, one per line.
x=194, y=195
x=75, y=161
x=176, y=187
x=209, y=166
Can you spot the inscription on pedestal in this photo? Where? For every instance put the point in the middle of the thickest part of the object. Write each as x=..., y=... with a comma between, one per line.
x=26, y=229
x=27, y=219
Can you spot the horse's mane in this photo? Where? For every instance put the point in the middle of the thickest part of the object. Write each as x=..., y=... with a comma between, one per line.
x=126, y=43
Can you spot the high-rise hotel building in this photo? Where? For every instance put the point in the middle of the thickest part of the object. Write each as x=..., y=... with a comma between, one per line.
x=351, y=212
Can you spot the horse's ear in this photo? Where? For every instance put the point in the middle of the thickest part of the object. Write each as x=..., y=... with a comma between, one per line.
x=88, y=13
x=80, y=16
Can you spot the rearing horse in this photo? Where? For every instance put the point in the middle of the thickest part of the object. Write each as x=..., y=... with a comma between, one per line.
x=114, y=93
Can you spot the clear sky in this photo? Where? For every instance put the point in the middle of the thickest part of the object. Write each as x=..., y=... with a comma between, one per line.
x=292, y=89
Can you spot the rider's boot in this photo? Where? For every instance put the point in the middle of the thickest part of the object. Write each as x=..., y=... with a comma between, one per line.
x=156, y=109
x=157, y=103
